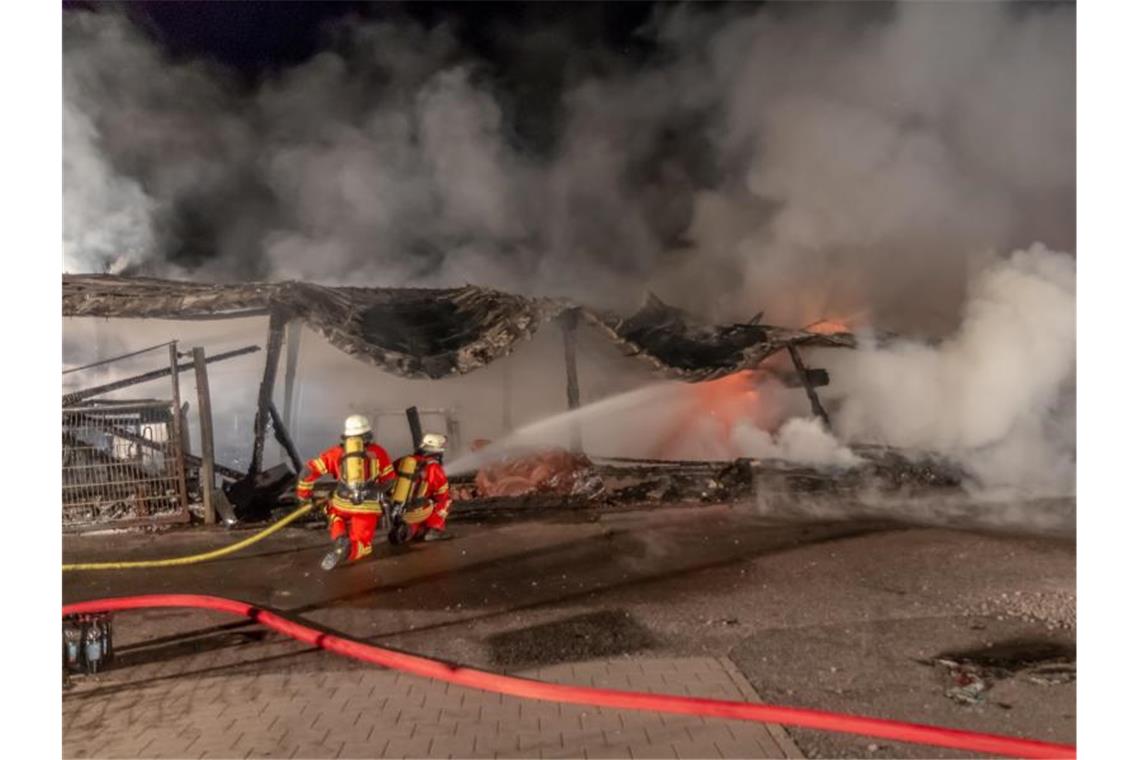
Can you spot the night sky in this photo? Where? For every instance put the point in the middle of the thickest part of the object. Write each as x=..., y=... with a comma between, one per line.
x=255, y=38
x=579, y=41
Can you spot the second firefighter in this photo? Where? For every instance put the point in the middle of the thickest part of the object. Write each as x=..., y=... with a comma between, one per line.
x=421, y=499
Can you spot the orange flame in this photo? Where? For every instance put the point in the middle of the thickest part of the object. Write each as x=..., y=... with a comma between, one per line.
x=725, y=401
x=832, y=325
x=828, y=327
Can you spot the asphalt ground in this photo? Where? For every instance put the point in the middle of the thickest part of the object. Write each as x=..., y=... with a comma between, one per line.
x=846, y=615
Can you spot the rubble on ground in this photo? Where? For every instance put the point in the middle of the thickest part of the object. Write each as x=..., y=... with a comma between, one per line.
x=550, y=471
x=557, y=477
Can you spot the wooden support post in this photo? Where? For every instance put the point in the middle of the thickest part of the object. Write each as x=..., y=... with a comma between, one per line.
x=816, y=407
x=176, y=430
x=282, y=436
x=185, y=429
x=265, y=391
x=206, y=428
x=569, y=345
x=292, y=351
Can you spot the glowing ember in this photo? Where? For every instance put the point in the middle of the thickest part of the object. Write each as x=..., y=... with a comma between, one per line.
x=832, y=325
x=828, y=327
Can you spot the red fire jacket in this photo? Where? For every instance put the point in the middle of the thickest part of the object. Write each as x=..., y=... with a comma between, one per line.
x=378, y=468
x=433, y=485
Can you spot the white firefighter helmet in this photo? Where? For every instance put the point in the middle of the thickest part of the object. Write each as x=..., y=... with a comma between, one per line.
x=355, y=425
x=433, y=443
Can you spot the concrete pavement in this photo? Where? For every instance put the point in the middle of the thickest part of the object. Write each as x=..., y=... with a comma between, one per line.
x=156, y=712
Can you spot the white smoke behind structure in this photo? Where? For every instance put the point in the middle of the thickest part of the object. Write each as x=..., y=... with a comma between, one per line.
x=997, y=395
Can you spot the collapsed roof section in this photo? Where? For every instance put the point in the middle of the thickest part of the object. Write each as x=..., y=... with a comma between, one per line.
x=436, y=333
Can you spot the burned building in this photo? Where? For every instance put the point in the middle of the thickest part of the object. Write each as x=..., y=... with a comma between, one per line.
x=421, y=334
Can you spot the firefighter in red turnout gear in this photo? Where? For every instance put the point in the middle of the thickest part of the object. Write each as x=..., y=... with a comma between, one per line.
x=363, y=472
x=429, y=492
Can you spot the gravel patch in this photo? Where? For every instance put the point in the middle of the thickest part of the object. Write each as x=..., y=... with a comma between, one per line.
x=1056, y=609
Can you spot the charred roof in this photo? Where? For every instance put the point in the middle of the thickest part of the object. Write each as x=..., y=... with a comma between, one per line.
x=436, y=333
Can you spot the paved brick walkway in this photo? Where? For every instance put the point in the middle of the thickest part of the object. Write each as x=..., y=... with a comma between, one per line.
x=363, y=713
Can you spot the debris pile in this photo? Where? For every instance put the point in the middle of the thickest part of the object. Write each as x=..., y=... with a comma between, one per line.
x=555, y=471
x=968, y=676
x=559, y=478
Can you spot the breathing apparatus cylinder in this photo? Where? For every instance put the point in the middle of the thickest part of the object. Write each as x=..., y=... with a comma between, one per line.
x=354, y=461
x=405, y=477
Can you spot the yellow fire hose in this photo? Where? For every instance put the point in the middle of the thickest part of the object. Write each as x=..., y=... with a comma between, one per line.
x=195, y=558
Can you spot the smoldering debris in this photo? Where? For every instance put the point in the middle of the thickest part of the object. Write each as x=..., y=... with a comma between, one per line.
x=632, y=481
x=886, y=486
x=552, y=471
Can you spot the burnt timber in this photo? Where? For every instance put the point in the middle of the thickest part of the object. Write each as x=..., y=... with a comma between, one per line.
x=436, y=333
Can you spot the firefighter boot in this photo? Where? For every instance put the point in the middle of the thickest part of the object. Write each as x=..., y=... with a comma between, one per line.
x=401, y=533
x=432, y=534
x=337, y=555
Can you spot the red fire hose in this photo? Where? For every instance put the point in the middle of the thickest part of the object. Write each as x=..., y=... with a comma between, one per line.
x=626, y=700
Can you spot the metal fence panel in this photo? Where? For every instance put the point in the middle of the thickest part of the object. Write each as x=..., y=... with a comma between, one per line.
x=120, y=466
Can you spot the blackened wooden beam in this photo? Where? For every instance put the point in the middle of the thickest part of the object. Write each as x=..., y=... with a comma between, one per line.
x=206, y=429
x=177, y=421
x=292, y=351
x=120, y=357
x=277, y=320
x=281, y=433
x=569, y=345
x=75, y=397
x=816, y=407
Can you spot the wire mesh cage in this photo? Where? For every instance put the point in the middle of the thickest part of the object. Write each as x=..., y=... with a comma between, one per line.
x=121, y=465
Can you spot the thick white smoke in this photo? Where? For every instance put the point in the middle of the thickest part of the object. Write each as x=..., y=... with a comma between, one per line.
x=997, y=395
x=798, y=440
x=107, y=217
x=881, y=160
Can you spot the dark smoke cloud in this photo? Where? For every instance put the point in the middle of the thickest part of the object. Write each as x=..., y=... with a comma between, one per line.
x=798, y=159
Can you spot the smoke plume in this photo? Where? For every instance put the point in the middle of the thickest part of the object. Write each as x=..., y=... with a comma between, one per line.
x=997, y=395
x=864, y=162
x=803, y=160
